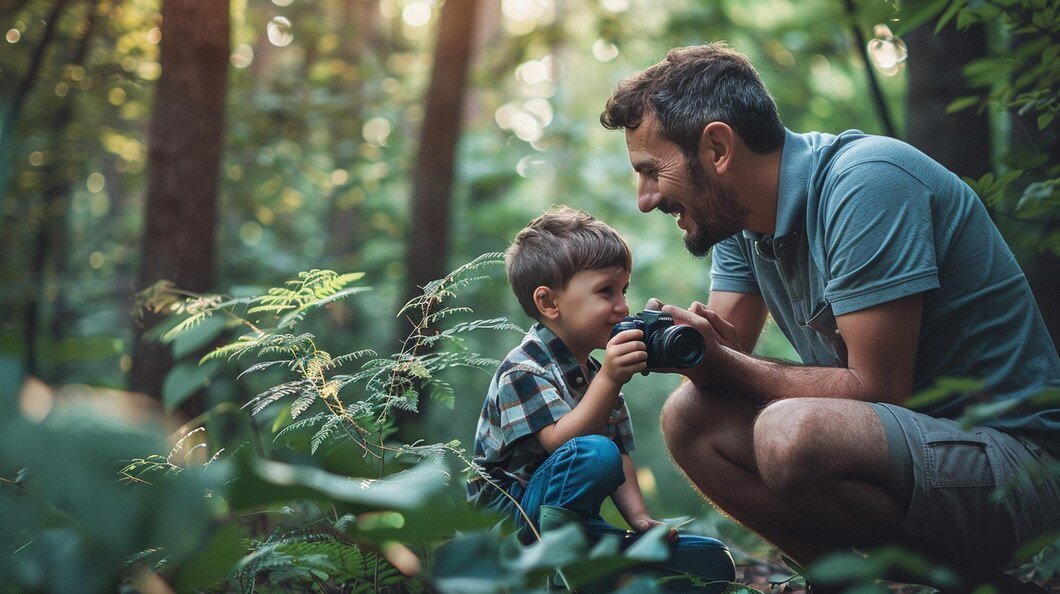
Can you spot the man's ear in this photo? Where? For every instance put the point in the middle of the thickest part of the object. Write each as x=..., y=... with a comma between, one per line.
x=545, y=301
x=716, y=145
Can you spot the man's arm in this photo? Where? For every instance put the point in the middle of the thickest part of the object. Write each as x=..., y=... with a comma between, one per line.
x=745, y=312
x=881, y=356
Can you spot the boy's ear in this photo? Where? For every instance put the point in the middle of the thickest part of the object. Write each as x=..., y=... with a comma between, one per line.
x=545, y=300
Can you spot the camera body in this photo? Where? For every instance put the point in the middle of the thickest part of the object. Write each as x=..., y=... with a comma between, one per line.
x=669, y=345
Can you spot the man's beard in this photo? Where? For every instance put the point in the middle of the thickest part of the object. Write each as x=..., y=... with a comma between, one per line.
x=716, y=213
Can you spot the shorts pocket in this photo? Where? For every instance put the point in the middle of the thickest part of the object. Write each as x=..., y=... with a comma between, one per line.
x=961, y=460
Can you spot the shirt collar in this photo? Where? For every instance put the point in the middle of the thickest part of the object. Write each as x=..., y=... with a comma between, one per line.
x=563, y=358
x=796, y=163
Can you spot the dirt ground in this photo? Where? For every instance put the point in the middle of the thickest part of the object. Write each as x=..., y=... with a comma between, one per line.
x=771, y=576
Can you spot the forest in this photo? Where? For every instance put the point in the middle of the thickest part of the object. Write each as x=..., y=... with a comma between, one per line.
x=252, y=288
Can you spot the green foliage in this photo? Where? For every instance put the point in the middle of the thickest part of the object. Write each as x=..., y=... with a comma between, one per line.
x=1021, y=78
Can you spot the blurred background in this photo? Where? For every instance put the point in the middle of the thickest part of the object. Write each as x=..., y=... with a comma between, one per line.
x=226, y=145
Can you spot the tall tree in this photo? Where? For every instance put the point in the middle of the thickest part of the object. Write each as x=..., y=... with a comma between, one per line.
x=432, y=178
x=184, y=162
x=49, y=247
x=961, y=140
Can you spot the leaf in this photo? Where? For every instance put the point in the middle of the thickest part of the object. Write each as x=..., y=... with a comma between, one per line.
x=201, y=335
x=961, y=103
x=186, y=378
x=213, y=561
x=302, y=403
x=265, y=482
x=947, y=16
x=924, y=13
x=943, y=388
x=1045, y=119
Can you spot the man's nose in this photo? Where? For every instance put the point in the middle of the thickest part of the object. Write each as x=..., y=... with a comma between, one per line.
x=648, y=196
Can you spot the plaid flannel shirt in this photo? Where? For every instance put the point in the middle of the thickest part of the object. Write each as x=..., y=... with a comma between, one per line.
x=536, y=384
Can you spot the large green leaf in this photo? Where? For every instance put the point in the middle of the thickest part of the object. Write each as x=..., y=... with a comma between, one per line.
x=197, y=337
x=265, y=482
x=186, y=378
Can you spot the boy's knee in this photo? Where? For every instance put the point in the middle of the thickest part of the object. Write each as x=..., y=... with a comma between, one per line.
x=596, y=452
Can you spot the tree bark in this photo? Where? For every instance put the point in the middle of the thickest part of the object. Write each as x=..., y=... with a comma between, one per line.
x=432, y=178
x=49, y=249
x=960, y=141
x=184, y=162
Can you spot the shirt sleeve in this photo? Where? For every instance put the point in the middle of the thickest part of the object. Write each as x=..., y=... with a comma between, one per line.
x=879, y=236
x=528, y=402
x=730, y=269
x=623, y=432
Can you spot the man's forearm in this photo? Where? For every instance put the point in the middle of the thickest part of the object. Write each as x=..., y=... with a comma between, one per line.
x=764, y=380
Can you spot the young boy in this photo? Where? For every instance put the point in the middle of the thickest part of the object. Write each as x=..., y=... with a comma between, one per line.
x=555, y=432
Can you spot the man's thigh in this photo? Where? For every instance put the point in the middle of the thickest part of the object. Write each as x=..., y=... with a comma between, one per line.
x=977, y=492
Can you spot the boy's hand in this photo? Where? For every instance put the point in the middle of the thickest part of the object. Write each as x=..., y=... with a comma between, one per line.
x=625, y=355
x=646, y=523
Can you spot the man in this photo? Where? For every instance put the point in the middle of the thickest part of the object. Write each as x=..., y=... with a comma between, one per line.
x=885, y=272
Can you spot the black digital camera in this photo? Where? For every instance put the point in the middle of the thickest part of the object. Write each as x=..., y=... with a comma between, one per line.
x=669, y=345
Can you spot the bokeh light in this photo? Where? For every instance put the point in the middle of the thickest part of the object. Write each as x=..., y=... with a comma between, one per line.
x=279, y=31
x=604, y=50
x=886, y=50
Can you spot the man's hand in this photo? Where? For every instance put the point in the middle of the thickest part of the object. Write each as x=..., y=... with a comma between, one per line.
x=625, y=355
x=716, y=332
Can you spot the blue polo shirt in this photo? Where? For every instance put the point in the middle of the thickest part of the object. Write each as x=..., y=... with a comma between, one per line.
x=862, y=220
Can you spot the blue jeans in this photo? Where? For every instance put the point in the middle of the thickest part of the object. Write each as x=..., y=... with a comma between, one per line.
x=585, y=471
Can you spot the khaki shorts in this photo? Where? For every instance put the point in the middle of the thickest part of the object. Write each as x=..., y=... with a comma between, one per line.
x=977, y=493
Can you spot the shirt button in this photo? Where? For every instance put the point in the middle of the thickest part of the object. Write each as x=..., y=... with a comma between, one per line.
x=579, y=380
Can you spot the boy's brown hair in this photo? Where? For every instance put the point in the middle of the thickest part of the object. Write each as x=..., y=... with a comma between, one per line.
x=555, y=246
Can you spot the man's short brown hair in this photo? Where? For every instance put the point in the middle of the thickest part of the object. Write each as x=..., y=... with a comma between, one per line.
x=555, y=246
x=692, y=87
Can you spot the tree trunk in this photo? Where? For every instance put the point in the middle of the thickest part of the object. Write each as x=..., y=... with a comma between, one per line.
x=959, y=141
x=432, y=178
x=49, y=248
x=184, y=163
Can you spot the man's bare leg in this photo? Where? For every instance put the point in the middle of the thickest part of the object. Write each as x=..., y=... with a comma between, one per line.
x=808, y=475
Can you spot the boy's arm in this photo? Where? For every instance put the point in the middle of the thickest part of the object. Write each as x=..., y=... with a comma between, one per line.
x=625, y=356
x=629, y=499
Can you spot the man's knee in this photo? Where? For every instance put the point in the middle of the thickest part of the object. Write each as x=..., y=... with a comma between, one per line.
x=681, y=417
x=787, y=445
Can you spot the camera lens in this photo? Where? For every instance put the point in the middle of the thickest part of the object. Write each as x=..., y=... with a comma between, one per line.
x=682, y=346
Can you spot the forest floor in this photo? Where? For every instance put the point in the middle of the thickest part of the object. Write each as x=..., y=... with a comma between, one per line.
x=771, y=576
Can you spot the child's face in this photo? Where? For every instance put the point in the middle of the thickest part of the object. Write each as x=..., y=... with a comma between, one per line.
x=591, y=303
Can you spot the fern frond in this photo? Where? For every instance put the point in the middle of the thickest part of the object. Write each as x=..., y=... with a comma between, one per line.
x=443, y=392
x=302, y=403
x=320, y=437
x=348, y=357
x=265, y=365
x=443, y=313
x=186, y=324
x=305, y=423
x=234, y=350
x=275, y=393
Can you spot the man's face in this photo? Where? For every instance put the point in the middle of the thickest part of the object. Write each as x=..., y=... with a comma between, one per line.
x=679, y=185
